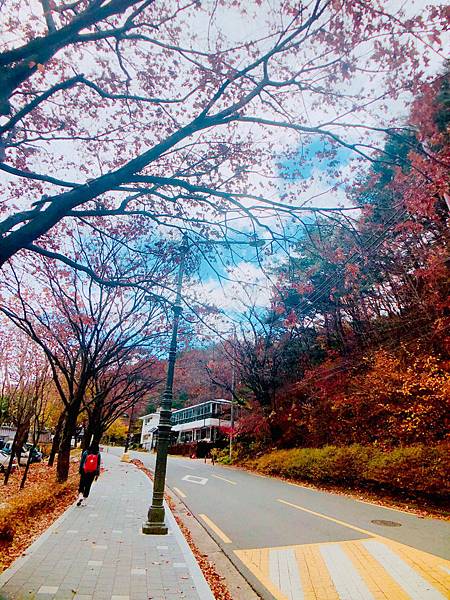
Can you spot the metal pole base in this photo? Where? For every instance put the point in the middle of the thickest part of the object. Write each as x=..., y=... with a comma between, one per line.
x=155, y=523
x=154, y=528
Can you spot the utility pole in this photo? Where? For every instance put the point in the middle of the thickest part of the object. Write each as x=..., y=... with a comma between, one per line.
x=130, y=424
x=233, y=386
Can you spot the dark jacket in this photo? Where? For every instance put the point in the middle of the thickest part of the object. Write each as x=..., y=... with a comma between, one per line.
x=83, y=460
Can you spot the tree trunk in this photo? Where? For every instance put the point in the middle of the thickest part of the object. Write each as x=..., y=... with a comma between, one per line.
x=21, y=438
x=62, y=468
x=11, y=458
x=97, y=436
x=56, y=438
x=87, y=436
x=94, y=432
x=27, y=467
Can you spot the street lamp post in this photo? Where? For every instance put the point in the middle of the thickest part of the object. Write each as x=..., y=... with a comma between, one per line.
x=155, y=523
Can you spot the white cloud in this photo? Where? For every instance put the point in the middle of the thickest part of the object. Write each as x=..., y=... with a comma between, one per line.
x=247, y=285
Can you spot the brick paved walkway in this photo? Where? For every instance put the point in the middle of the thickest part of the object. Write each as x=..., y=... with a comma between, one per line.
x=98, y=552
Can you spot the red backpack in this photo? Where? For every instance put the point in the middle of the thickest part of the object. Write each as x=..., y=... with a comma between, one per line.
x=91, y=463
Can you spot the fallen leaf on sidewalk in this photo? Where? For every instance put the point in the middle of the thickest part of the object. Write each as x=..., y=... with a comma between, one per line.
x=30, y=511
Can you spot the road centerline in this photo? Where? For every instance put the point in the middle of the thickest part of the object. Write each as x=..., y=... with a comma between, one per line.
x=322, y=516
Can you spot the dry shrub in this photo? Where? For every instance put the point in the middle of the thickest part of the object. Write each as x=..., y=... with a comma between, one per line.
x=414, y=469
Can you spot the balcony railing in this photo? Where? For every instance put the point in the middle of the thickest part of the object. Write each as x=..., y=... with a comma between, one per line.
x=179, y=419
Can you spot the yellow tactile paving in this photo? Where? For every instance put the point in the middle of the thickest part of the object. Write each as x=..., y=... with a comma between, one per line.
x=430, y=567
x=373, y=573
x=317, y=583
x=257, y=562
x=316, y=580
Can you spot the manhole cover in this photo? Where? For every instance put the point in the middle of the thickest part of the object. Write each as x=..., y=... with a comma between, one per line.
x=384, y=523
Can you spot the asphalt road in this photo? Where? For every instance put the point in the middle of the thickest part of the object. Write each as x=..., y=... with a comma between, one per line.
x=266, y=526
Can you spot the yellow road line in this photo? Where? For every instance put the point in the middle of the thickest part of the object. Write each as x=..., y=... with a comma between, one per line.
x=179, y=492
x=316, y=514
x=224, y=479
x=225, y=539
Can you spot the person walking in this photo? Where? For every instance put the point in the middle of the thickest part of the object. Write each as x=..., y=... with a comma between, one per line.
x=89, y=470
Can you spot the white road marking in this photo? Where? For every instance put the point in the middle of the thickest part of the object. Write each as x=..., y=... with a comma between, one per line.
x=224, y=479
x=195, y=479
x=179, y=492
x=348, y=582
x=283, y=572
x=414, y=584
x=225, y=539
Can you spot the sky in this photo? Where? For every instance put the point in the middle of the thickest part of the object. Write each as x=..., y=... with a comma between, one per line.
x=303, y=164
x=247, y=281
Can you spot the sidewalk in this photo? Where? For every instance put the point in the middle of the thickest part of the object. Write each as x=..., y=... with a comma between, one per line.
x=98, y=552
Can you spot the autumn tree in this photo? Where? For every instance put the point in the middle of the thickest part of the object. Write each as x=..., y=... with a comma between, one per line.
x=86, y=330
x=117, y=432
x=177, y=122
x=388, y=271
x=42, y=389
x=374, y=291
x=121, y=388
x=23, y=378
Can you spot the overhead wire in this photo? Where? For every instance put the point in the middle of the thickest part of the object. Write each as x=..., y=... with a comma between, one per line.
x=323, y=289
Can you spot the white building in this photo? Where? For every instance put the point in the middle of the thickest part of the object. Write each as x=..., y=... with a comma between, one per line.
x=149, y=427
x=7, y=432
x=193, y=423
x=201, y=421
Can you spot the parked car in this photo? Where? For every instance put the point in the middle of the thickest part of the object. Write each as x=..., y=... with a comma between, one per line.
x=36, y=455
x=4, y=460
x=24, y=454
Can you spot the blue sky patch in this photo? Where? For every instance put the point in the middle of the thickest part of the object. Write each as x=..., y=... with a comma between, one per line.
x=318, y=155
